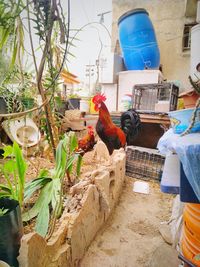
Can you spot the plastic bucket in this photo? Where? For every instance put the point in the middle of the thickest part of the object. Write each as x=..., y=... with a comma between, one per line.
x=190, y=241
x=181, y=119
x=188, y=254
x=191, y=217
x=11, y=231
x=170, y=182
x=138, y=40
x=84, y=106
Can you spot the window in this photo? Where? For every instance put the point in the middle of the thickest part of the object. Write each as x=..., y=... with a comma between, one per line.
x=187, y=36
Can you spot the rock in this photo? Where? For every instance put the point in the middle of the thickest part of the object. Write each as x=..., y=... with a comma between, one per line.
x=101, y=153
x=165, y=231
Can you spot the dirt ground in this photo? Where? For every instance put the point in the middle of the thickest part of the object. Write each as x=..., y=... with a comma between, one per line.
x=131, y=234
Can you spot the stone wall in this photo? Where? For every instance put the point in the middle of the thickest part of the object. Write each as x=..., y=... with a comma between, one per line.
x=88, y=206
x=168, y=18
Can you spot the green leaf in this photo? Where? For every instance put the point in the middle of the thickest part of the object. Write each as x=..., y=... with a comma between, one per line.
x=4, y=37
x=9, y=166
x=8, y=150
x=73, y=142
x=70, y=162
x=20, y=162
x=35, y=185
x=72, y=55
x=43, y=173
x=61, y=158
x=56, y=192
x=5, y=188
x=3, y=211
x=44, y=197
x=42, y=222
x=4, y=194
x=78, y=166
x=14, y=55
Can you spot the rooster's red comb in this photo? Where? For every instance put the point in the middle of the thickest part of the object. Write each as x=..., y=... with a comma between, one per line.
x=97, y=99
x=90, y=130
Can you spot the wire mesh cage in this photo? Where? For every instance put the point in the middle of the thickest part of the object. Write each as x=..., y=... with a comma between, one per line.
x=146, y=96
x=144, y=163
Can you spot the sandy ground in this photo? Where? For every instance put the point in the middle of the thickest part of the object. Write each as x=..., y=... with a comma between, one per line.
x=131, y=234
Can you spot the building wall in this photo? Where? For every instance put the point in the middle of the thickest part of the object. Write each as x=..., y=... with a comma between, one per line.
x=168, y=18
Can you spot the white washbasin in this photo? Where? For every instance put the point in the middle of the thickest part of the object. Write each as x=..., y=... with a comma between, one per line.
x=22, y=130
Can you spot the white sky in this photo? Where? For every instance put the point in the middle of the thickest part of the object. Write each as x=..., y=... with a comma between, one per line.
x=87, y=49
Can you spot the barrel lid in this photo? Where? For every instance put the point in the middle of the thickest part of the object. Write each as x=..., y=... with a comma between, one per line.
x=131, y=12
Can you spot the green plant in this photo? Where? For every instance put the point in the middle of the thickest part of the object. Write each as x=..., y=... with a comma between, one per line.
x=27, y=89
x=52, y=31
x=11, y=29
x=12, y=89
x=11, y=98
x=50, y=185
x=3, y=65
x=3, y=211
x=13, y=170
x=73, y=96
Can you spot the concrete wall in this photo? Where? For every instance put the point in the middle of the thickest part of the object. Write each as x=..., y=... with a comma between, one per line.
x=168, y=18
x=87, y=207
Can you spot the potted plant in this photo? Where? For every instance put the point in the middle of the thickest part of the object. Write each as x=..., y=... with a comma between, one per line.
x=27, y=90
x=74, y=101
x=9, y=98
x=27, y=101
x=60, y=105
x=11, y=201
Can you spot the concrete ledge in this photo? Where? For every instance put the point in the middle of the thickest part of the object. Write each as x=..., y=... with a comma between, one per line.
x=89, y=205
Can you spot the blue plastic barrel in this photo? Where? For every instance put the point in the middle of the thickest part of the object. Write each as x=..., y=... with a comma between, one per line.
x=138, y=40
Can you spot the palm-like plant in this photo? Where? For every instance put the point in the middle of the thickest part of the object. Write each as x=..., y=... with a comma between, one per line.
x=50, y=185
x=11, y=29
x=43, y=16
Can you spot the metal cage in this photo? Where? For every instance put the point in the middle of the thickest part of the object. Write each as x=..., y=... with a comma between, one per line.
x=144, y=163
x=145, y=96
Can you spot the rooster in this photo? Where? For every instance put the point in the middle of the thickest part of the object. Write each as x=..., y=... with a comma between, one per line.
x=86, y=143
x=113, y=136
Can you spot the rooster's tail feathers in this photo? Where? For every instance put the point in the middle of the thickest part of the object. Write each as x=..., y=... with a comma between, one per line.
x=130, y=124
